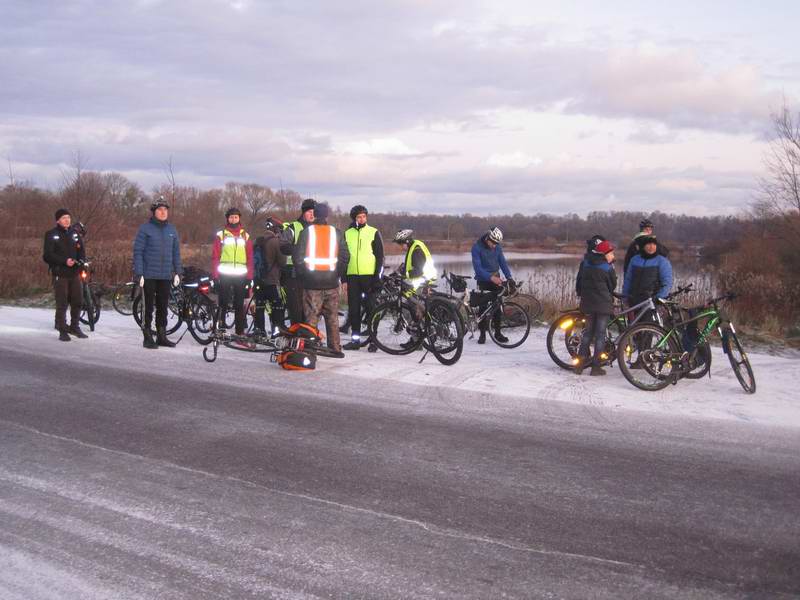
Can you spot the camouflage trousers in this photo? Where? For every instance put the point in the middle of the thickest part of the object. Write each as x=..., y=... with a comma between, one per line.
x=324, y=303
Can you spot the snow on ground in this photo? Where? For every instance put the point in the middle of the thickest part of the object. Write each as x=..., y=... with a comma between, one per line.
x=525, y=372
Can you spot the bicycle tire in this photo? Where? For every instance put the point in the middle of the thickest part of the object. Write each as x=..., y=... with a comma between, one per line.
x=201, y=324
x=444, y=325
x=536, y=308
x=123, y=297
x=391, y=321
x=90, y=314
x=633, y=339
x=702, y=370
x=736, y=347
x=514, y=315
x=571, y=324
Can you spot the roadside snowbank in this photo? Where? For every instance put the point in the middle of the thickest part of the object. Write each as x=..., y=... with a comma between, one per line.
x=525, y=372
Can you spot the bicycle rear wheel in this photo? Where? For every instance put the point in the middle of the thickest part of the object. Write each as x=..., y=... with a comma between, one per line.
x=564, y=338
x=123, y=297
x=201, y=324
x=391, y=327
x=174, y=318
x=739, y=361
x=647, y=357
x=702, y=363
x=515, y=325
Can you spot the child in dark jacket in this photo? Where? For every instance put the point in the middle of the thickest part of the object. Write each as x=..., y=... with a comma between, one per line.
x=595, y=286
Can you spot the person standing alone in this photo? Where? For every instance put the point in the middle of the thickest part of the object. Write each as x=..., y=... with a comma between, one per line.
x=63, y=249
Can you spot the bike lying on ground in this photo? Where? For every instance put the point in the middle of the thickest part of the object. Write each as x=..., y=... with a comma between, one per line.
x=513, y=323
x=92, y=292
x=416, y=318
x=653, y=356
x=565, y=333
x=188, y=303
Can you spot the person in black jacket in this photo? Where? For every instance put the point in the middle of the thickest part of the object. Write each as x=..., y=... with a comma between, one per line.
x=595, y=286
x=63, y=249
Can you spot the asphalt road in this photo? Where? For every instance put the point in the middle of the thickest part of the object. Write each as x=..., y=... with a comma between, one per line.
x=115, y=484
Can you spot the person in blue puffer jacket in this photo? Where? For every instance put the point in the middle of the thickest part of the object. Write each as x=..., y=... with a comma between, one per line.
x=156, y=265
x=648, y=274
x=487, y=261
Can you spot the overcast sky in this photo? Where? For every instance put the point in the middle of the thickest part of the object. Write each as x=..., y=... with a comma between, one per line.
x=418, y=105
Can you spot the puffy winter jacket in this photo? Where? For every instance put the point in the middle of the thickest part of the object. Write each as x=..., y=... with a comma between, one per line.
x=647, y=276
x=157, y=250
x=595, y=285
x=487, y=261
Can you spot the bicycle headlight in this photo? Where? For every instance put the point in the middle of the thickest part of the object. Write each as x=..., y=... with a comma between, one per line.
x=567, y=324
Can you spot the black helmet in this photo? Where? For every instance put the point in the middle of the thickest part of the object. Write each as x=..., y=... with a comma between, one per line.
x=273, y=224
x=308, y=204
x=232, y=211
x=159, y=203
x=643, y=240
x=645, y=223
x=357, y=210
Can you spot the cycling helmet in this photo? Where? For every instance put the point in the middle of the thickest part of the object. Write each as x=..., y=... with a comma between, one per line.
x=645, y=223
x=273, y=224
x=357, y=210
x=495, y=235
x=403, y=236
x=159, y=203
x=233, y=211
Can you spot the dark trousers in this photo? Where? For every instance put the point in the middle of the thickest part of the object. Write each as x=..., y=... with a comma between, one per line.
x=360, y=301
x=156, y=294
x=231, y=289
x=294, y=296
x=594, y=333
x=271, y=293
x=69, y=292
x=489, y=286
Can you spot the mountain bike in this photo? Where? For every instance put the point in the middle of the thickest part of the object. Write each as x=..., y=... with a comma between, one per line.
x=90, y=313
x=415, y=318
x=661, y=355
x=565, y=333
x=514, y=323
x=188, y=303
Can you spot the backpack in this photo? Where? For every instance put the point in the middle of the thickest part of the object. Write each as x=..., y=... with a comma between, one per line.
x=297, y=360
x=260, y=267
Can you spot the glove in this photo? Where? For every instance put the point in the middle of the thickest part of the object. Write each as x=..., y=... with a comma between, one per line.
x=176, y=280
x=141, y=281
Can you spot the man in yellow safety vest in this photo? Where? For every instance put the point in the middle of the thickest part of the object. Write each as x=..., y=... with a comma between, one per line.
x=363, y=273
x=289, y=277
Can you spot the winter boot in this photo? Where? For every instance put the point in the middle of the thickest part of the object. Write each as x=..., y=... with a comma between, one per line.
x=580, y=364
x=161, y=338
x=149, y=342
x=500, y=337
x=596, y=370
x=482, y=337
x=76, y=331
x=64, y=336
x=351, y=346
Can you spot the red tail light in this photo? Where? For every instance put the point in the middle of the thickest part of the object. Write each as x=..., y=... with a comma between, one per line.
x=84, y=274
x=203, y=288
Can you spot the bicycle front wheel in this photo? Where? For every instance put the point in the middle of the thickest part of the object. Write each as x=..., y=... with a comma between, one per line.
x=392, y=326
x=174, y=318
x=739, y=361
x=564, y=339
x=514, y=326
x=90, y=313
x=648, y=357
x=702, y=363
x=201, y=323
x=123, y=297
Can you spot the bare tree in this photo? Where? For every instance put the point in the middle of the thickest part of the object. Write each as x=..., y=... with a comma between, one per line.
x=780, y=188
x=170, y=173
x=255, y=201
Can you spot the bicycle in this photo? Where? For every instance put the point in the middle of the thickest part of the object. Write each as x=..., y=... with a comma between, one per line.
x=475, y=306
x=565, y=333
x=90, y=313
x=415, y=318
x=188, y=303
x=663, y=359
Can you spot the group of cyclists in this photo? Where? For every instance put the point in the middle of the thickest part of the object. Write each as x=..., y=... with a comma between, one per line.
x=298, y=269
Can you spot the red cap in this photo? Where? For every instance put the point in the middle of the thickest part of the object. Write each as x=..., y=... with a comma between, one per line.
x=604, y=247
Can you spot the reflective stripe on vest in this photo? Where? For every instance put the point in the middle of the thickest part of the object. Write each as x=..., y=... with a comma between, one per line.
x=322, y=251
x=233, y=258
x=428, y=270
x=297, y=226
x=359, y=243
